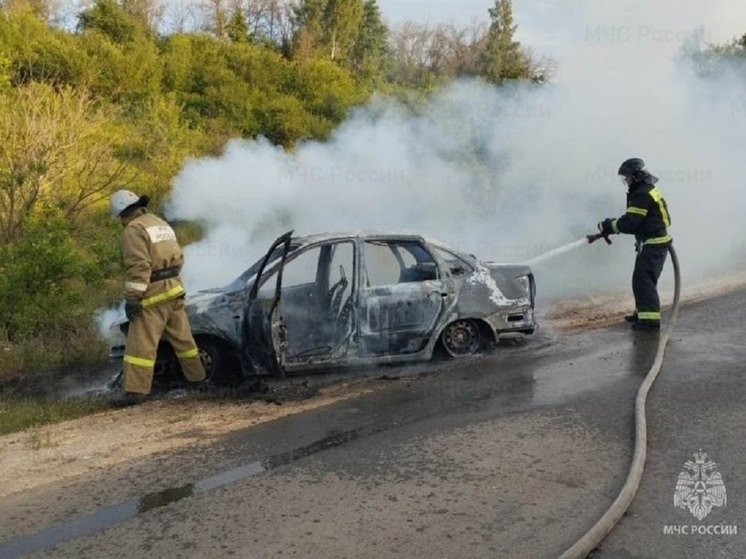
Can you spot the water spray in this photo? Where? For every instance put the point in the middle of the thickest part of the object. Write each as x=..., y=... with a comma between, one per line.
x=588, y=239
x=557, y=251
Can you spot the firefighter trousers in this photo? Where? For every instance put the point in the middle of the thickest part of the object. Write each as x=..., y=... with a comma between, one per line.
x=648, y=268
x=166, y=320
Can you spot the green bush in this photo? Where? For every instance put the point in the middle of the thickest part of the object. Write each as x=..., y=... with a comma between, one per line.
x=47, y=280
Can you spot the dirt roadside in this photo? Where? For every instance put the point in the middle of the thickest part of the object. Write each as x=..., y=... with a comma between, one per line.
x=55, y=452
x=52, y=453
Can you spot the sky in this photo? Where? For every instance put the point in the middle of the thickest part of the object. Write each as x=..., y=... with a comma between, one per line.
x=434, y=11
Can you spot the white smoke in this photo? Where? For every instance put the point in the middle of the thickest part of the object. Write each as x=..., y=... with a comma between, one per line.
x=105, y=319
x=509, y=173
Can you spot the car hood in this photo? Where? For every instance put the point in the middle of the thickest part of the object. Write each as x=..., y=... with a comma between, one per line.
x=202, y=300
x=206, y=298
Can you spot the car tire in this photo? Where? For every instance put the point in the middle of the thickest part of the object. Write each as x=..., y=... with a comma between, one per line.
x=461, y=338
x=211, y=354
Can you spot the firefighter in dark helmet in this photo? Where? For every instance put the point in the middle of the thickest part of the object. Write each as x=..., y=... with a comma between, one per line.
x=154, y=298
x=648, y=219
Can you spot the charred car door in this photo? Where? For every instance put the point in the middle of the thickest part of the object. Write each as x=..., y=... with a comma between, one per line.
x=404, y=296
x=301, y=312
x=262, y=332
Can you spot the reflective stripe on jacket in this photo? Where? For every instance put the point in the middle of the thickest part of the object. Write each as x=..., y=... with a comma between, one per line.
x=647, y=216
x=150, y=244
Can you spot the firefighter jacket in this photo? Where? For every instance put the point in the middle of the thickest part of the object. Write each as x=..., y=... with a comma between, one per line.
x=647, y=216
x=152, y=259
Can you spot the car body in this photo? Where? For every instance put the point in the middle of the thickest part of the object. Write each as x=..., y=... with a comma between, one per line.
x=359, y=298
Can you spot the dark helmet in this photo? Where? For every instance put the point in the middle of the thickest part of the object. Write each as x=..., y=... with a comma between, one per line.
x=635, y=168
x=632, y=167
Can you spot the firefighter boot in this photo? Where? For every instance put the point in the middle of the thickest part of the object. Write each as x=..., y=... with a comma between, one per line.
x=646, y=326
x=631, y=317
x=122, y=399
x=199, y=386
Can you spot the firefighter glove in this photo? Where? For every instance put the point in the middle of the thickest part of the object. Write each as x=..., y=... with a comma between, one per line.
x=132, y=308
x=606, y=226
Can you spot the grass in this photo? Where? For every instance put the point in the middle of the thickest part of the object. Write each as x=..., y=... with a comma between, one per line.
x=31, y=372
x=18, y=414
x=26, y=362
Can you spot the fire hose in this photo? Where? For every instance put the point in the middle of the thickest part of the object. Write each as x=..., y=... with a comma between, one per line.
x=593, y=537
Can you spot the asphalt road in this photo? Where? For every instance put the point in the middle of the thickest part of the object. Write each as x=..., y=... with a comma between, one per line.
x=511, y=455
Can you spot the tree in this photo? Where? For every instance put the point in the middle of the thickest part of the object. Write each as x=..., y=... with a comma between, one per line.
x=424, y=56
x=271, y=22
x=37, y=52
x=410, y=49
x=128, y=73
x=147, y=13
x=53, y=151
x=307, y=21
x=502, y=58
x=341, y=26
x=714, y=59
x=371, y=45
x=330, y=27
x=218, y=18
x=43, y=9
x=237, y=27
x=109, y=18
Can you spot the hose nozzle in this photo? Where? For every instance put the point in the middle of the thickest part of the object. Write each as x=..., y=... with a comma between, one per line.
x=593, y=238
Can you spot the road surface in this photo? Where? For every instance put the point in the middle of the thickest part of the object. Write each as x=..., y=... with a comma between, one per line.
x=511, y=455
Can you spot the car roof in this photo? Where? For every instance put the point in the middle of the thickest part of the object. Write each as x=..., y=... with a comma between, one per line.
x=374, y=234
x=364, y=234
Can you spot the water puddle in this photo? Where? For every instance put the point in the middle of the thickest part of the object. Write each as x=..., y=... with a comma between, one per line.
x=127, y=510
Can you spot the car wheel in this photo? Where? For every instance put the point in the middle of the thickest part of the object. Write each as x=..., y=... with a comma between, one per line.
x=461, y=337
x=211, y=355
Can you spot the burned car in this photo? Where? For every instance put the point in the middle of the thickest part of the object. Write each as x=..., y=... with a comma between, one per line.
x=349, y=299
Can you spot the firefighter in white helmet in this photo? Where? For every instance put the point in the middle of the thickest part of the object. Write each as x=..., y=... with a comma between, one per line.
x=154, y=297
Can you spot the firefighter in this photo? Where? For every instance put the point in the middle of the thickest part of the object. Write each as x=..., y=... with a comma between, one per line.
x=154, y=298
x=648, y=219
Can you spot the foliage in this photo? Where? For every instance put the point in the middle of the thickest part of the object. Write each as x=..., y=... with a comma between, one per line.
x=350, y=32
x=716, y=59
x=424, y=57
x=370, y=52
x=238, y=27
x=55, y=152
x=502, y=58
x=112, y=20
x=45, y=279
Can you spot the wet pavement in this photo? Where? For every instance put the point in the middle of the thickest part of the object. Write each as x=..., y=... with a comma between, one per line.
x=512, y=454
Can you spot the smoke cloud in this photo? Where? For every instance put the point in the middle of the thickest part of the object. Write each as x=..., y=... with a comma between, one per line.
x=509, y=173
